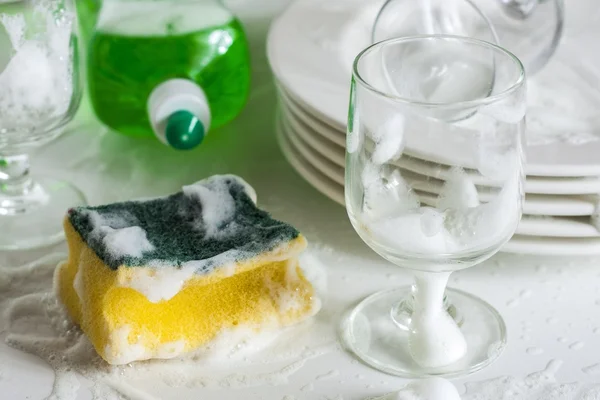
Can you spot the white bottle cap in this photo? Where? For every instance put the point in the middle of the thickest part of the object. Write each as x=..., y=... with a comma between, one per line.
x=179, y=113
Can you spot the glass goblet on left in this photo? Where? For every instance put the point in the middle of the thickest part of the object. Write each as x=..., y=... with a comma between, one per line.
x=40, y=92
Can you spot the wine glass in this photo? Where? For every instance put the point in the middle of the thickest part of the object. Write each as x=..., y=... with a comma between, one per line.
x=531, y=29
x=434, y=183
x=402, y=18
x=41, y=90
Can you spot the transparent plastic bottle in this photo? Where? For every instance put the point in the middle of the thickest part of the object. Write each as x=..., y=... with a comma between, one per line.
x=169, y=68
x=87, y=14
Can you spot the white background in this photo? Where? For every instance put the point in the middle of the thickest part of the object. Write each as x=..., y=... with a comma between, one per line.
x=559, y=299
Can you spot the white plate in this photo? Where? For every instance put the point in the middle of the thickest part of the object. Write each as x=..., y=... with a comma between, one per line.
x=321, y=127
x=538, y=202
x=552, y=246
x=311, y=46
x=333, y=178
x=518, y=244
x=333, y=150
x=313, y=176
x=541, y=225
x=577, y=193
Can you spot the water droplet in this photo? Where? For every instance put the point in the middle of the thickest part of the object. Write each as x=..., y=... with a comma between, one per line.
x=526, y=293
x=359, y=376
x=512, y=303
x=576, y=345
x=534, y=351
x=542, y=269
x=593, y=369
x=562, y=339
x=552, y=320
x=307, y=388
x=328, y=375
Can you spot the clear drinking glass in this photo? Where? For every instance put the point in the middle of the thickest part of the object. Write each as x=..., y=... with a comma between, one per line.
x=434, y=183
x=40, y=92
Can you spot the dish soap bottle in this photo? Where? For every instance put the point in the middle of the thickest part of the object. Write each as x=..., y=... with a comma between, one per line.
x=169, y=68
x=87, y=14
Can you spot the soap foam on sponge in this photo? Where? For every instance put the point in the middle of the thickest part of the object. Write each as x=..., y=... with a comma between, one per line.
x=159, y=278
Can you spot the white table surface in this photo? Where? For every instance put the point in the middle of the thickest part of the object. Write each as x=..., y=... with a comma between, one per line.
x=541, y=299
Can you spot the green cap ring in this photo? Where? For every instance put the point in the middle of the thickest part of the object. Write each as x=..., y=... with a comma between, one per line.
x=184, y=130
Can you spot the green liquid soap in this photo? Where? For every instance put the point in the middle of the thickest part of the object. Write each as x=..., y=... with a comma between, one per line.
x=132, y=52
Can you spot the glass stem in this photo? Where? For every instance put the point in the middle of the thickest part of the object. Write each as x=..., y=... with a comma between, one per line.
x=14, y=176
x=428, y=291
x=402, y=313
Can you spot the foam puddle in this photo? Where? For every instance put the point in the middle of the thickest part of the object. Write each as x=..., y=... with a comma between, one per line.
x=540, y=385
x=34, y=322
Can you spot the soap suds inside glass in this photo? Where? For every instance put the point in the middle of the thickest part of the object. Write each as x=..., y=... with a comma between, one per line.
x=37, y=82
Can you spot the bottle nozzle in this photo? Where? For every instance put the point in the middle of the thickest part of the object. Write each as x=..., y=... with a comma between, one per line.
x=184, y=130
x=179, y=113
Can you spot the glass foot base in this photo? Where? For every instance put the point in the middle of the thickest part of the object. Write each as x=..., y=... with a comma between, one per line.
x=401, y=313
x=372, y=334
x=35, y=219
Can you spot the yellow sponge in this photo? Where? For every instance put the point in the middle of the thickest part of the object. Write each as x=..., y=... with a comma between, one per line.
x=137, y=299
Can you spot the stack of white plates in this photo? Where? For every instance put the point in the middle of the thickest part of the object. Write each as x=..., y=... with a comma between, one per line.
x=311, y=47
